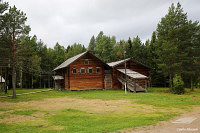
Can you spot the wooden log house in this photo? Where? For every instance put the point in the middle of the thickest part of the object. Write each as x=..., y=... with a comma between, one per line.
x=85, y=71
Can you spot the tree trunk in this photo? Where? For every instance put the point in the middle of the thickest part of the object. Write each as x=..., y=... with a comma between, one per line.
x=191, y=84
x=6, y=88
x=49, y=82
x=40, y=81
x=32, y=82
x=14, y=66
x=21, y=78
x=170, y=82
x=14, y=82
x=44, y=84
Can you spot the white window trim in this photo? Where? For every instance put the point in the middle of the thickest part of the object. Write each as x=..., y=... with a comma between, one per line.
x=90, y=68
x=81, y=69
x=73, y=70
x=87, y=61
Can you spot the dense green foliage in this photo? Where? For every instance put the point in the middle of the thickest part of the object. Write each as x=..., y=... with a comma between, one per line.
x=178, y=87
x=178, y=45
x=174, y=48
x=25, y=56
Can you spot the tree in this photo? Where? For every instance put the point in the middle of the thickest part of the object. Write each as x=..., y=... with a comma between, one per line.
x=138, y=50
x=191, y=48
x=178, y=87
x=92, y=45
x=59, y=54
x=4, y=50
x=104, y=47
x=118, y=50
x=129, y=48
x=13, y=27
x=75, y=49
x=171, y=34
x=157, y=77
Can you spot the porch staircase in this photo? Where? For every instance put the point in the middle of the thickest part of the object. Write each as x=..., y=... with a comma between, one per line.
x=133, y=87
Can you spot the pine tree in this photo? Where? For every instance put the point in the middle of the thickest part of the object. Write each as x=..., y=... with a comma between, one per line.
x=170, y=33
x=13, y=27
x=92, y=45
x=104, y=47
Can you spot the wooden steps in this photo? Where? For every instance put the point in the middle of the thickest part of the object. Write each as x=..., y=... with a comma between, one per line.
x=133, y=87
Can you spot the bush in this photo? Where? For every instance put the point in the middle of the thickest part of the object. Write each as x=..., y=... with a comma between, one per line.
x=178, y=85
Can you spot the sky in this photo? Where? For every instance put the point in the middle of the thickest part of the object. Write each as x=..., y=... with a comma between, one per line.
x=76, y=21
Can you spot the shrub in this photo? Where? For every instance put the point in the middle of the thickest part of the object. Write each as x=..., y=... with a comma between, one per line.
x=178, y=85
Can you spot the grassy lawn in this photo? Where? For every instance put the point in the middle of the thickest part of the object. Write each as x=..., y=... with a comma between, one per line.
x=20, y=91
x=91, y=111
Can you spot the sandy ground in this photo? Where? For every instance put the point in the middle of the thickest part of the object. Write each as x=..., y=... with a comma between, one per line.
x=186, y=123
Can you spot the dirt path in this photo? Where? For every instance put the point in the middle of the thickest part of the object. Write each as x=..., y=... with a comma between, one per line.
x=186, y=123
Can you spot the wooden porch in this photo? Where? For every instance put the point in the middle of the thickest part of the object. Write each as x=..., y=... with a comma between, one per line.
x=136, y=82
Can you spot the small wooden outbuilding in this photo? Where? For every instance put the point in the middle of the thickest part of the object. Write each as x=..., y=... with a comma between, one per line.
x=2, y=82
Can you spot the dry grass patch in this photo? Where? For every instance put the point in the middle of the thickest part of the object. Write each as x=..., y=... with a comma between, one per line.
x=16, y=119
x=91, y=105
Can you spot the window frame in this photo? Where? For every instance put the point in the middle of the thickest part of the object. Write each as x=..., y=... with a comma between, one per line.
x=89, y=70
x=73, y=70
x=82, y=68
x=86, y=60
x=99, y=69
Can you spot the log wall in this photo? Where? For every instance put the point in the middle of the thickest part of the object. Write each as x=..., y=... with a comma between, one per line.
x=81, y=81
x=133, y=66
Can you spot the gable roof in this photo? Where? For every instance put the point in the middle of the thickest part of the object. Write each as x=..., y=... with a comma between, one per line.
x=70, y=60
x=73, y=59
x=113, y=64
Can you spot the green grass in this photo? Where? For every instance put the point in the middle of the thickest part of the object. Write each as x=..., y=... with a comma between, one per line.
x=24, y=112
x=77, y=120
x=20, y=91
x=81, y=121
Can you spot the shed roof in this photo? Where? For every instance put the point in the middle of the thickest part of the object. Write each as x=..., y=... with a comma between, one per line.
x=2, y=80
x=69, y=61
x=57, y=77
x=133, y=74
x=112, y=64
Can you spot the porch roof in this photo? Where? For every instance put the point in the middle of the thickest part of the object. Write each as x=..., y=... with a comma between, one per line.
x=133, y=74
x=57, y=77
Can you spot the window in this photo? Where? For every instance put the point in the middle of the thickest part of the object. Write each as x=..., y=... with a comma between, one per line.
x=82, y=70
x=97, y=69
x=74, y=70
x=89, y=69
x=86, y=62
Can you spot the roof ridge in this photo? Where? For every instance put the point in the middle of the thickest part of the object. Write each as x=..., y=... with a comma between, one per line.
x=70, y=60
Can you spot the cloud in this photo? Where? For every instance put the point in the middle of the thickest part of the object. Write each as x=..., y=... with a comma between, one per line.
x=70, y=21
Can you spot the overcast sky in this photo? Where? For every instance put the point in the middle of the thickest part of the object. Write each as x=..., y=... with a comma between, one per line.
x=70, y=21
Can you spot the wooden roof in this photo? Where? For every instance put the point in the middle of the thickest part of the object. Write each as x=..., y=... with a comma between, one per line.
x=114, y=64
x=69, y=61
x=58, y=77
x=73, y=59
x=133, y=74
